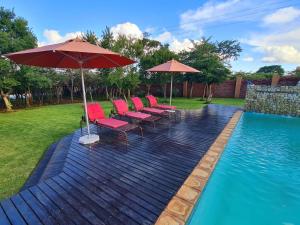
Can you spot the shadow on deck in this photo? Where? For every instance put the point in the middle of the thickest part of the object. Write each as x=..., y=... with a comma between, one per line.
x=112, y=184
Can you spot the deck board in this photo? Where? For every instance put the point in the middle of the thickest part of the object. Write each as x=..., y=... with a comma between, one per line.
x=110, y=183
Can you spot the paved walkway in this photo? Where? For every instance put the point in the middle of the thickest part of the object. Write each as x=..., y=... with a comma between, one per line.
x=112, y=184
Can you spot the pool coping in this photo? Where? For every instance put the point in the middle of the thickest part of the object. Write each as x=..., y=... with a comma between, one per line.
x=182, y=203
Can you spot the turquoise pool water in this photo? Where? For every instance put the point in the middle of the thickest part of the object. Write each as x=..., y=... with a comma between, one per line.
x=257, y=180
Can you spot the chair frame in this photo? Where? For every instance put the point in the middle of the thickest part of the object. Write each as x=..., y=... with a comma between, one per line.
x=122, y=130
x=152, y=119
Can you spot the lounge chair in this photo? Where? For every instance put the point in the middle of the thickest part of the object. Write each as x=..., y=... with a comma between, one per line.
x=139, y=107
x=154, y=104
x=122, y=110
x=96, y=116
x=173, y=113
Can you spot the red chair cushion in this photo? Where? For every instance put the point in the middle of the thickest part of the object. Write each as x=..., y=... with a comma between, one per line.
x=153, y=110
x=152, y=100
x=138, y=115
x=121, y=106
x=112, y=123
x=95, y=111
x=167, y=107
x=138, y=104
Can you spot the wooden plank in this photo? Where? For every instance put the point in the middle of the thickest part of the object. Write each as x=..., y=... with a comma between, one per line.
x=155, y=188
x=159, y=181
x=140, y=168
x=77, y=203
x=50, y=206
x=27, y=213
x=3, y=218
x=108, y=184
x=128, y=206
x=38, y=209
x=102, y=200
x=63, y=205
x=115, y=183
x=12, y=213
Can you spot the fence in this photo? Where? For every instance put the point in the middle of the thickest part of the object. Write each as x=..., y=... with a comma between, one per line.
x=227, y=89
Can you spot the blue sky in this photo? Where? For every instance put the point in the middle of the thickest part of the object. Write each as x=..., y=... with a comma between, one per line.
x=268, y=30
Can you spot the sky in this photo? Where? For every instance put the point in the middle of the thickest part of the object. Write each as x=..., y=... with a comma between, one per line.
x=269, y=30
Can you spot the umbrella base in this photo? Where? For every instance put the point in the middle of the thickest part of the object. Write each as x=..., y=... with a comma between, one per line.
x=89, y=139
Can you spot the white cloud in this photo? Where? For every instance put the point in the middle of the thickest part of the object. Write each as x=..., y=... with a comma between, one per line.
x=212, y=11
x=53, y=36
x=178, y=46
x=248, y=59
x=281, y=47
x=128, y=29
x=282, y=16
x=164, y=37
x=281, y=54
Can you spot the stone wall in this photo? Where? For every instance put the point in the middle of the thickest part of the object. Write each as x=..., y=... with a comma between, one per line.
x=284, y=100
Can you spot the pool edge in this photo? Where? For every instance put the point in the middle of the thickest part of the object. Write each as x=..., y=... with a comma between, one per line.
x=182, y=203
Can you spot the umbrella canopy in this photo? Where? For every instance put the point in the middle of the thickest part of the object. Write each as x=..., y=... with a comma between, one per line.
x=74, y=53
x=77, y=54
x=173, y=66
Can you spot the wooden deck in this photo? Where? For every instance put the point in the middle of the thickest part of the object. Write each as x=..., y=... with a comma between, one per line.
x=112, y=184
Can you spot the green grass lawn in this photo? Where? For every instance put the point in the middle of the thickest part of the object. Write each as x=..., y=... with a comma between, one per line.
x=26, y=134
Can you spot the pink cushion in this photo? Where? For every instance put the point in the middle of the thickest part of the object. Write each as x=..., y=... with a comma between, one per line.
x=153, y=110
x=112, y=123
x=121, y=106
x=152, y=100
x=138, y=104
x=95, y=111
x=138, y=115
x=168, y=107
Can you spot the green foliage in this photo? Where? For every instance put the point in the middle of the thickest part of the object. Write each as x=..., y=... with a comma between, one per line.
x=91, y=37
x=205, y=57
x=274, y=69
x=15, y=35
x=7, y=80
x=156, y=57
x=297, y=72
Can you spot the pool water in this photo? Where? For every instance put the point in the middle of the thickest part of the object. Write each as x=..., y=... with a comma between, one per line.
x=257, y=180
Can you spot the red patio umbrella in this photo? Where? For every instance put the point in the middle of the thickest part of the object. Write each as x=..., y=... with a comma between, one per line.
x=77, y=54
x=173, y=66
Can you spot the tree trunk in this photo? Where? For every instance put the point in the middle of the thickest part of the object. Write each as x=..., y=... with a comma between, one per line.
x=209, y=96
x=128, y=93
x=7, y=103
x=191, y=90
x=106, y=92
x=148, y=88
x=165, y=90
x=27, y=98
x=72, y=89
x=204, y=91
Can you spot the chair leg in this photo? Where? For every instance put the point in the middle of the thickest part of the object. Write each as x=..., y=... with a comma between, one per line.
x=141, y=131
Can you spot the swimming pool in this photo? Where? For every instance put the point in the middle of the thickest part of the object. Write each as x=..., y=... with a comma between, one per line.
x=257, y=179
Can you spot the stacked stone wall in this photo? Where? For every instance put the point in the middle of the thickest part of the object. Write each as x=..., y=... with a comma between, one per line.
x=283, y=100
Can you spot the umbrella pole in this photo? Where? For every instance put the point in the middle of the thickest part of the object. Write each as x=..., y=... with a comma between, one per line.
x=84, y=101
x=171, y=89
x=90, y=138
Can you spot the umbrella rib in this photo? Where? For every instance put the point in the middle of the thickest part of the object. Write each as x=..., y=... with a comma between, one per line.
x=111, y=60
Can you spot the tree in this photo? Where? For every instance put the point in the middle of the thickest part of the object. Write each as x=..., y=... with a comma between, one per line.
x=228, y=50
x=297, y=71
x=15, y=35
x=156, y=57
x=7, y=82
x=273, y=69
x=205, y=57
x=91, y=37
